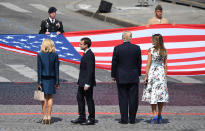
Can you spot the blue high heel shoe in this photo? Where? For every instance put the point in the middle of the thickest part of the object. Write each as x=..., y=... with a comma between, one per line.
x=154, y=120
x=159, y=120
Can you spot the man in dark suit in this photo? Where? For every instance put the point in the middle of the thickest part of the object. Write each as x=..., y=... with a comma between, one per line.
x=51, y=24
x=86, y=83
x=126, y=69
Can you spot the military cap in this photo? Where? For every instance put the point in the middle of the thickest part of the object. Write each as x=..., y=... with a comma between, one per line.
x=52, y=9
x=158, y=7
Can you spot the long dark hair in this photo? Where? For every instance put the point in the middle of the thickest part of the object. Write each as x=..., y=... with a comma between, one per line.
x=158, y=42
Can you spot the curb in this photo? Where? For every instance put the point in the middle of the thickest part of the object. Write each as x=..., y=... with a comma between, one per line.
x=187, y=3
x=127, y=23
x=102, y=17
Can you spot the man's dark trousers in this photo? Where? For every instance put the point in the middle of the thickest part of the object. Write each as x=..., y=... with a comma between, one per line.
x=88, y=95
x=128, y=98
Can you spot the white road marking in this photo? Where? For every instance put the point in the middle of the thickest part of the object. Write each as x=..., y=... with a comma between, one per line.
x=71, y=71
x=25, y=71
x=3, y=79
x=43, y=8
x=14, y=7
x=185, y=79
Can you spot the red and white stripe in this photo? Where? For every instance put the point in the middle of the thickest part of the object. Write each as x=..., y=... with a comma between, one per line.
x=185, y=45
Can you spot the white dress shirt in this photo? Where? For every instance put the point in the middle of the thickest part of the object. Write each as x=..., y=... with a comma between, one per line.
x=52, y=20
x=86, y=52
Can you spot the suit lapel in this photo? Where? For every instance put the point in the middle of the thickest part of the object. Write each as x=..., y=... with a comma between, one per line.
x=87, y=52
x=84, y=55
x=48, y=20
x=83, y=58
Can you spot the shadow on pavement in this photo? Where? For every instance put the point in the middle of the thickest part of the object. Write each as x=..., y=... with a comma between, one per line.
x=164, y=121
x=53, y=120
x=104, y=94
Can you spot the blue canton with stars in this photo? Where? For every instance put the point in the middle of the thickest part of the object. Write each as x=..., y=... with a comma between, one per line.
x=32, y=42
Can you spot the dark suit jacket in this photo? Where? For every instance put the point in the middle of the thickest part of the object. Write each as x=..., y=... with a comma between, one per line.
x=52, y=27
x=126, y=63
x=87, y=69
x=48, y=66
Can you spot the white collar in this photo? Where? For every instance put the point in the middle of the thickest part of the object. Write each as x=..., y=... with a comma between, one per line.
x=52, y=19
x=87, y=50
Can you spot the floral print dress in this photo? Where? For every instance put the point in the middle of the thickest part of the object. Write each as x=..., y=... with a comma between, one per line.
x=156, y=89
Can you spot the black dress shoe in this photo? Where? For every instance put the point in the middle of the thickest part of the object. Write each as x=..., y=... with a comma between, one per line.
x=88, y=122
x=132, y=122
x=123, y=122
x=78, y=121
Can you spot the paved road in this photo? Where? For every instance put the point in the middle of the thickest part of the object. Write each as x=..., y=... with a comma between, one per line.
x=19, y=17
x=23, y=17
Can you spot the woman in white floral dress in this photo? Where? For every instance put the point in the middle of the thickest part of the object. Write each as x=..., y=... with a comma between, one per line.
x=156, y=92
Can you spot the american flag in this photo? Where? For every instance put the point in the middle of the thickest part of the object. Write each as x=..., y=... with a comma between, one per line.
x=30, y=44
x=185, y=45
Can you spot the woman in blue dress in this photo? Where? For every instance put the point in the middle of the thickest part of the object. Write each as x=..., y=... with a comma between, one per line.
x=48, y=76
x=156, y=92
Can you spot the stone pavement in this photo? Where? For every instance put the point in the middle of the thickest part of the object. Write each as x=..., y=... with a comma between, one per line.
x=19, y=112
x=28, y=118
x=127, y=13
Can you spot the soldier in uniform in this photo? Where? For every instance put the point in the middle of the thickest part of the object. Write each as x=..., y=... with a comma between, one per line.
x=51, y=24
x=158, y=19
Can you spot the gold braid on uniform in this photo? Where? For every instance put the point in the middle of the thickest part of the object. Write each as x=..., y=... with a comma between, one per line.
x=47, y=24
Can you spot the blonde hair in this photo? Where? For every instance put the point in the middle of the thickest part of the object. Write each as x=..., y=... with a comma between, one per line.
x=126, y=36
x=158, y=42
x=48, y=46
